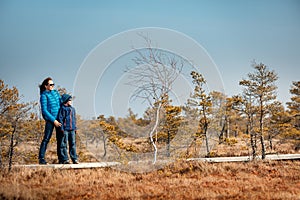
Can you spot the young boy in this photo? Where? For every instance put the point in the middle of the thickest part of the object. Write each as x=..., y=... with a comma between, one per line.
x=67, y=117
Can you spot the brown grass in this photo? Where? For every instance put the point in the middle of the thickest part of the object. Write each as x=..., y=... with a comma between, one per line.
x=180, y=180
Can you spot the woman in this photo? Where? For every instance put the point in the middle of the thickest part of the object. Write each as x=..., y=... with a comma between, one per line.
x=50, y=104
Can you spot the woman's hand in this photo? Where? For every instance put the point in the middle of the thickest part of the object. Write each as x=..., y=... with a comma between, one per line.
x=57, y=123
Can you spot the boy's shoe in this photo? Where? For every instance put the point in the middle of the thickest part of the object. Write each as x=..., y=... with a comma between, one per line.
x=75, y=162
x=64, y=162
x=43, y=162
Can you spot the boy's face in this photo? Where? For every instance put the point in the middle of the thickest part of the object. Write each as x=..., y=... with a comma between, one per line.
x=69, y=103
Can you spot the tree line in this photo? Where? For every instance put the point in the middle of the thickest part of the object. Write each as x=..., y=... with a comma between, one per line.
x=206, y=117
x=255, y=113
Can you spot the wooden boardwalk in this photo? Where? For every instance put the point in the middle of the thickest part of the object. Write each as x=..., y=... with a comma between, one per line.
x=71, y=166
x=215, y=159
x=248, y=158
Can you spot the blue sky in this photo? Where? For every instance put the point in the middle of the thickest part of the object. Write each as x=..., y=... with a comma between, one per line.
x=52, y=38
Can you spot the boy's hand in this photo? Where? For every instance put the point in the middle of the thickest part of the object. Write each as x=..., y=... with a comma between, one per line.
x=57, y=123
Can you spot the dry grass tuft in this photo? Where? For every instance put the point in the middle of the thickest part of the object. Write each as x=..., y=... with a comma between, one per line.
x=179, y=180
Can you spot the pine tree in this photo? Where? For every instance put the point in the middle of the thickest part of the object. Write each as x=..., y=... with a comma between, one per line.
x=171, y=122
x=261, y=85
x=294, y=111
x=294, y=104
x=203, y=105
x=12, y=117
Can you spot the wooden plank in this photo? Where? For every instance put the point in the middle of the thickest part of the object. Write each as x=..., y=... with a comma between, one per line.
x=222, y=159
x=248, y=158
x=283, y=157
x=214, y=159
x=72, y=166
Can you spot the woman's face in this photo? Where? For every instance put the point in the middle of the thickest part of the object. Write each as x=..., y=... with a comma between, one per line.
x=50, y=85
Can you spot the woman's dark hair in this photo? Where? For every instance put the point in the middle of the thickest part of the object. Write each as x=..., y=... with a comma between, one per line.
x=45, y=82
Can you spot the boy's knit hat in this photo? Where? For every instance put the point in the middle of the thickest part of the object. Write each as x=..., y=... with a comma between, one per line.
x=65, y=98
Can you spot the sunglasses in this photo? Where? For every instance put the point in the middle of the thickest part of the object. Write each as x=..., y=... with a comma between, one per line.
x=52, y=84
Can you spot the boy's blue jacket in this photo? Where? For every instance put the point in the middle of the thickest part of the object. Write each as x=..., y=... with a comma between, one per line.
x=67, y=116
x=50, y=104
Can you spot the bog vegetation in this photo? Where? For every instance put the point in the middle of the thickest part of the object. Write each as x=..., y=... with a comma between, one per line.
x=209, y=124
x=208, y=120
x=180, y=180
x=253, y=123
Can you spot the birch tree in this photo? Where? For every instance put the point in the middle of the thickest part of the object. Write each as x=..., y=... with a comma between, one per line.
x=153, y=79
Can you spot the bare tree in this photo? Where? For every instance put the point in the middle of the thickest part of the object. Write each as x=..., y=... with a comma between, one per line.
x=153, y=78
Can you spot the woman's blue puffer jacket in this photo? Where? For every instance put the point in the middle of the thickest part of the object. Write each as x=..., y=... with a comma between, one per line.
x=50, y=103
